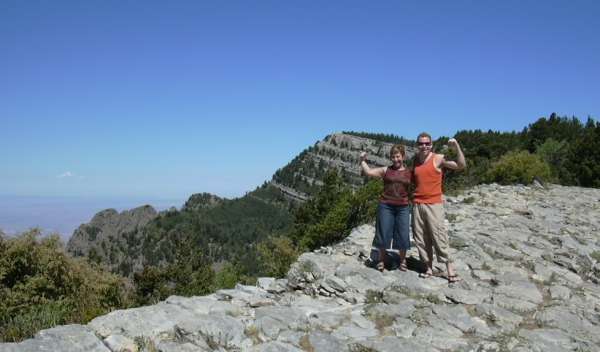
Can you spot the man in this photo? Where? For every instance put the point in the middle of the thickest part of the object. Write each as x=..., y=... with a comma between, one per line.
x=429, y=230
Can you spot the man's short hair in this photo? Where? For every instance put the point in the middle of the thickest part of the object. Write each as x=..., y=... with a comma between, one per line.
x=423, y=135
x=397, y=148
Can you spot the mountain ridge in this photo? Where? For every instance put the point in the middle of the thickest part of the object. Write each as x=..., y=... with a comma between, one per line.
x=126, y=249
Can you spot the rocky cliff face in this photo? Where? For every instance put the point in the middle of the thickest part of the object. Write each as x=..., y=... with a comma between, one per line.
x=528, y=258
x=110, y=229
x=304, y=174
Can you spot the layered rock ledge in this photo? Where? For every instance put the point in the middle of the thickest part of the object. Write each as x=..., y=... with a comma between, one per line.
x=528, y=258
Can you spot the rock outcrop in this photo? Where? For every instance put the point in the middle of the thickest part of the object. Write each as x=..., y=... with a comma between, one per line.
x=201, y=201
x=108, y=229
x=528, y=258
x=340, y=151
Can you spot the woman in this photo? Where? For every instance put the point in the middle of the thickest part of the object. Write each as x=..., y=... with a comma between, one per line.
x=393, y=209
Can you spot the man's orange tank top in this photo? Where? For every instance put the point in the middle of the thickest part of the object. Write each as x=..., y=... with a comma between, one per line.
x=428, y=182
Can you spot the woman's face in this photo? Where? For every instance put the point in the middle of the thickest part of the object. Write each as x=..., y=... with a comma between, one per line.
x=397, y=159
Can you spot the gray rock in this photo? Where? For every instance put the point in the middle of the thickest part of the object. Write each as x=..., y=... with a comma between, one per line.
x=120, y=343
x=551, y=340
x=329, y=320
x=560, y=293
x=171, y=346
x=151, y=321
x=443, y=337
x=336, y=283
x=524, y=290
x=278, y=287
x=391, y=344
x=320, y=341
x=502, y=318
x=565, y=319
x=204, y=305
x=67, y=338
x=265, y=282
x=275, y=346
x=459, y=295
x=292, y=337
x=309, y=268
x=458, y=317
x=273, y=319
x=403, y=328
x=212, y=330
x=359, y=328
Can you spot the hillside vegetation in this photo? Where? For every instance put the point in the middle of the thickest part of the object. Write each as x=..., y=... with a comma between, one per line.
x=42, y=286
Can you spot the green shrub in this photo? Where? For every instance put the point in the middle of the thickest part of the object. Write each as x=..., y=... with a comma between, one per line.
x=334, y=211
x=41, y=286
x=227, y=277
x=277, y=255
x=518, y=167
x=190, y=274
x=556, y=154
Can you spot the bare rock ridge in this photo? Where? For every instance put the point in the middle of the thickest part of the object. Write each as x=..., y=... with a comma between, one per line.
x=528, y=258
x=201, y=201
x=339, y=151
x=107, y=229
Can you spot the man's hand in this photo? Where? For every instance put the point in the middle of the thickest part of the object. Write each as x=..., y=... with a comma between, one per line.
x=453, y=143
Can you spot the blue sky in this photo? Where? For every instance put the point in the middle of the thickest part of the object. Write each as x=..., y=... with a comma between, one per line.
x=165, y=99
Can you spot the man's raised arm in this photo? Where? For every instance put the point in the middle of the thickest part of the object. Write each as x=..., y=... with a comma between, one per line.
x=460, y=163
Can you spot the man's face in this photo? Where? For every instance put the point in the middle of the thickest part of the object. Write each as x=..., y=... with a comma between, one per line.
x=424, y=145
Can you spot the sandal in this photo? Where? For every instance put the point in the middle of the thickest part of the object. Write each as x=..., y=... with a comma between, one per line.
x=454, y=278
x=380, y=266
x=403, y=267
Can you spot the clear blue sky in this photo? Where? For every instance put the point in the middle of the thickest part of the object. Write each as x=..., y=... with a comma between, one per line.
x=170, y=98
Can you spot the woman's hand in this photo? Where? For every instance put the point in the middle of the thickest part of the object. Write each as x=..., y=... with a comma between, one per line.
x=363, y=156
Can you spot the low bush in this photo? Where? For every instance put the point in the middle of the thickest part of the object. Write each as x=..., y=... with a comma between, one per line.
x=519, y=167
x=42, y=286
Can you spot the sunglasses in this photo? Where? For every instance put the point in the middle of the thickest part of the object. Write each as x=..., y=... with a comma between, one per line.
x=424, y=143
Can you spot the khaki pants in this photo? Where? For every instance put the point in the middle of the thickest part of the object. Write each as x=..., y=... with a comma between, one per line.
x=429, y=231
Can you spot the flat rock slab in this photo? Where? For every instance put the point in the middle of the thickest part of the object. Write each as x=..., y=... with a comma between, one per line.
x=275, y=346
x=156, y=322
x=66, y=338
x=212, y=330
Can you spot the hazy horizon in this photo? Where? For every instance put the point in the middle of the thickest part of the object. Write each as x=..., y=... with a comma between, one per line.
x=63, y=214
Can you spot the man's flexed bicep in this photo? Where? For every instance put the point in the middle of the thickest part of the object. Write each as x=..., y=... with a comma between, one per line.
x=460, y=162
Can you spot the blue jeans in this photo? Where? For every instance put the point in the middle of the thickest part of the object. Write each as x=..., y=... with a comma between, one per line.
x=392, y=227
